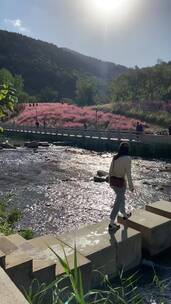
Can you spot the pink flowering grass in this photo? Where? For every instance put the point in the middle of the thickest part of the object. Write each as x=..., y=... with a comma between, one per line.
x=71, y=116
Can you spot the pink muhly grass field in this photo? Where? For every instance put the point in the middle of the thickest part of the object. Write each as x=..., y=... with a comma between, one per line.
x=71, y=116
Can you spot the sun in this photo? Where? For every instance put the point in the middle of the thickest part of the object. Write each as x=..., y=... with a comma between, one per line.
x=107, y=8
x=108, y=5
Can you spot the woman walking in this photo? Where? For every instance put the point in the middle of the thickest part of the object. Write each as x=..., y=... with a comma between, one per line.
x=120, y=170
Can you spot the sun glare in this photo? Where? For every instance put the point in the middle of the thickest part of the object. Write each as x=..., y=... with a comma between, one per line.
x=111, y=8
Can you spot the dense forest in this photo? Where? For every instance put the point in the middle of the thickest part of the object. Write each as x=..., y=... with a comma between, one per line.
x=50, y=72
x=144, y=93
x=151, y=83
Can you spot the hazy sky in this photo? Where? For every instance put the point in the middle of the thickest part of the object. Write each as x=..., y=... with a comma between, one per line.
x=128, y=32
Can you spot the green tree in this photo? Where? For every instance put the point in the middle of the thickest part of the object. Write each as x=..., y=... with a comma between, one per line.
x=86, y=89
x=48, y=94
x=143, y=84
x=15, y=81
x=6, y=77
x=8, y=99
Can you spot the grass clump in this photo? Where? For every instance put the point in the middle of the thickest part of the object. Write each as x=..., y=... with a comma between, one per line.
x=69, y=289
x=9, y=218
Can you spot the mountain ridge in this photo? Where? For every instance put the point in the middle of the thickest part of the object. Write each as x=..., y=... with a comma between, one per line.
x=43, y=64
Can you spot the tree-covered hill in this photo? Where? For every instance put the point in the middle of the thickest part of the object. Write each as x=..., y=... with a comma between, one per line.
x=51, y=70
x=144, y=93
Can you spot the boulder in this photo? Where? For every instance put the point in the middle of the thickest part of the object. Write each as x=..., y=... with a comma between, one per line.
x=43, y=144
x=168, y=168
x=6, y=145
x=99, y=179
x=102, y=173
x=32, y=144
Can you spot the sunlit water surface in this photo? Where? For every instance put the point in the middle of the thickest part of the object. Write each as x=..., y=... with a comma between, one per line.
x=55, y=190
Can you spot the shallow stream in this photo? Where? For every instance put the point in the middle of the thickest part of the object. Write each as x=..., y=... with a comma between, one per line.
x=55, y=190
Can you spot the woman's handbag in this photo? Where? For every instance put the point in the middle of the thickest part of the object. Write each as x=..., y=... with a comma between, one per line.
x=117, y=181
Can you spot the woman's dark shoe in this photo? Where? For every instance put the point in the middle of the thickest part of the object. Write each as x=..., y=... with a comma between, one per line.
x=126, y=216
x=114, y=226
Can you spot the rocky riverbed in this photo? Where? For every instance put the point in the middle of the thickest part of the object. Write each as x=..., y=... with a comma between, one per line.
x=55, y=189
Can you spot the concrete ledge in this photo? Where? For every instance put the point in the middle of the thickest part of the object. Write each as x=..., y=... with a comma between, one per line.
x=9, y=294
x=106, y=250
x=161, y=207
x=155, y=230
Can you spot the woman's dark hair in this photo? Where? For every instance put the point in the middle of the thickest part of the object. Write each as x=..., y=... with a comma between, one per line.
x=123, y=150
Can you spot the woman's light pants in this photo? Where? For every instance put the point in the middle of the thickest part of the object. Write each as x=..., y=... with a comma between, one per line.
x=119, y=204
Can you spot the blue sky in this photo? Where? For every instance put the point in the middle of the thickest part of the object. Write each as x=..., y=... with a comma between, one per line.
x=128, y=32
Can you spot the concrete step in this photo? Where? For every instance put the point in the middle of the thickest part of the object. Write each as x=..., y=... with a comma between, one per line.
x=155, y=230
x=44, y=271
x=44, y=242
x=106, y=250
x=46, y=265
x=16, y=239
x=19, y=267
x=9, y=293
x=6, y=246
x=161, y=207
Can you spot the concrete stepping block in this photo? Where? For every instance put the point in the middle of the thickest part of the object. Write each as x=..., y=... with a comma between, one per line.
x=106, y=251
x=8, y=291
x=6, y=246
x=39, y=249
x=44, y=244
x=161, y=207
x=155, y=230
x=16, y=239
x=19, y=268
x=29, y=267
x=44, y=271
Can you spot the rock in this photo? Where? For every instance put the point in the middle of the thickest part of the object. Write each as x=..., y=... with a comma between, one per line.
x=6, y=145
x=168, y=168
x=32, y=144
x=17, y=145
x=99, y=179
x=146, y=183
x=160, y=188
x=43, y=144
x=102, y=173
x=48, y=204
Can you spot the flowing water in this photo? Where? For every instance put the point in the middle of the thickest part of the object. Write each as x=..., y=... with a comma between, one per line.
x=55, y=189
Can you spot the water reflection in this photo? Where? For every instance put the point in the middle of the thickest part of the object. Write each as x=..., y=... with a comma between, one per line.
x=55, y=187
